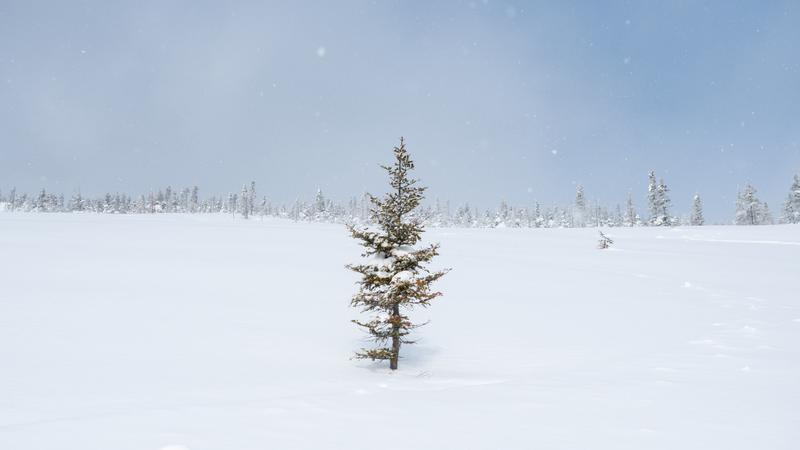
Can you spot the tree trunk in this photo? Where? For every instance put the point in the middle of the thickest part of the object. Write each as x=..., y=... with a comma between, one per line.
x=395, y=339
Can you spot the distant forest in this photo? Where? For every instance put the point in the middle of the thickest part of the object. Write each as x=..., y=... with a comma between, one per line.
x=247, y=203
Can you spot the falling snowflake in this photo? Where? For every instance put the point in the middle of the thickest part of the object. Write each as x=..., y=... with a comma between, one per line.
x=321, y=52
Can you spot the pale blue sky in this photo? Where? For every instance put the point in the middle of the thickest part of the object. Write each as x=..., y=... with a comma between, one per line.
x=498, y=100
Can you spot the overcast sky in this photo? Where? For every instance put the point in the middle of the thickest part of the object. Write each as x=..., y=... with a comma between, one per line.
x=497, y=100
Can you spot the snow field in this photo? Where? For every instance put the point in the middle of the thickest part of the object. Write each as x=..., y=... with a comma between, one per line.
x=202, y=332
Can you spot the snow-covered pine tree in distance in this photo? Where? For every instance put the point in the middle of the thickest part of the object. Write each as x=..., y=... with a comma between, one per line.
x=749, y=209
x=580, y=207
x=652, y=197
x=604, y=242
x=244, y=207
x=394, y=278
x=791, y=208
x=658, y=201
x=696, y=218
x=631, y=218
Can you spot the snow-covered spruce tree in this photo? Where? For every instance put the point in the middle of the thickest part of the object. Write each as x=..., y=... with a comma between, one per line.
x=652, y=197
x=664, y=217
x=749, y=209
x=194, y=200
x=630, y=212
x=580, y=215
x=791, y=208
x=76, y=203
x=251, y=199
x=320, y=212
x=604, y=242
x=658, y=201
x=244, y=208
x=394, y=278
x=696, y=218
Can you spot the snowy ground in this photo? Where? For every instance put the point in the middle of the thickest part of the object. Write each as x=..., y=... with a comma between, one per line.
x=197, y=332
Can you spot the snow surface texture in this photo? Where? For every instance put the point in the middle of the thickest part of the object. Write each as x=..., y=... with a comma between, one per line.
x=202, y=332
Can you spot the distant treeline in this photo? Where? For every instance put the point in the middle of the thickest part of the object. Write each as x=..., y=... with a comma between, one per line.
x=247, y=203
